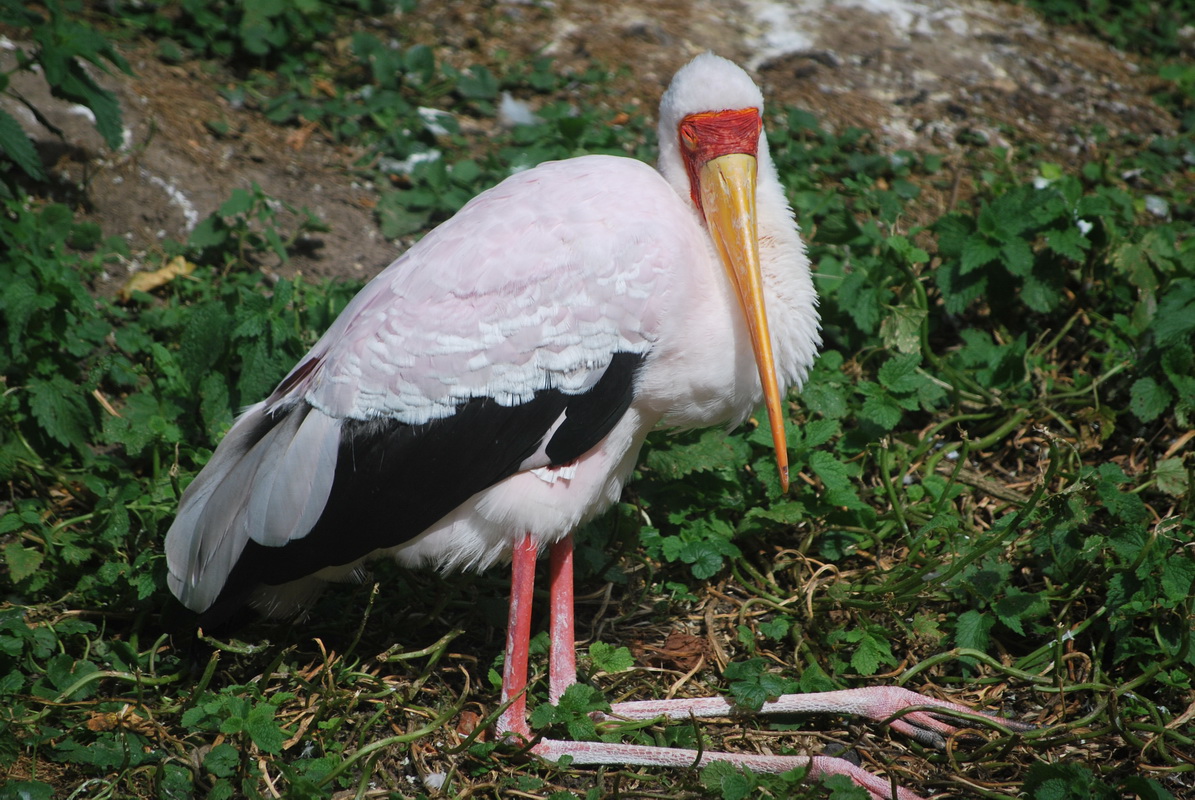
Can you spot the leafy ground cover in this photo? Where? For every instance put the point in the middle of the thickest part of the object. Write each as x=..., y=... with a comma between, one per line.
x=993, y=457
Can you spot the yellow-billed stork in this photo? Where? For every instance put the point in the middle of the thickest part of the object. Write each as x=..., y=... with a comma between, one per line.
x=491, y=389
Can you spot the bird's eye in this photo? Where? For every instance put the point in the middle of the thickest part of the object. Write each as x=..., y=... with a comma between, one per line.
x=688, y=137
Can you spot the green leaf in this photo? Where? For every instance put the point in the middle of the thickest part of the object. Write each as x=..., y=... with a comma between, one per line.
x=26, y=790
x=1175, y=319
x=900, y=374
x=833, y=472
x=870, y=652
x=73, y=83
x=728, y=781
x=776, y=628
x=221, y=789
x=1017, y=256
x=15, y=143
x=824, y=399
x=239, y=202
x=901, y=329
x=59, y=408
x=222, y=760
x=478, y=84
x=1172, y=477
x=573, y=711
x=215, y=405
x=1040, y=294
x=1178, y=576
x=65, y=672
x=953, y=231
x=22, y=561
x=209, y=233
x=397, y=217
x=609, y=658
x=705, y=559
x=881, y=410
x=1068, y=242
x=838, y=228
x=263, y=730
x=1148, y=399
x=1145, y=789
x=977, y=252
x=752, y=684
x=1017, y=606
x=712, y=451
x=203, y=341
x=973, y=630
x=817, y=432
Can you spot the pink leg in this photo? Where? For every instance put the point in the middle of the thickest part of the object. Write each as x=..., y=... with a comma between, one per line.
x=632, y=754
x=518, y=636
x=874, y=702
x=562, y=664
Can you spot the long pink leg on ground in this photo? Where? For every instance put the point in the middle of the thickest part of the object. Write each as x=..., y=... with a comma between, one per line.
x=874, y=702
x=583, y=753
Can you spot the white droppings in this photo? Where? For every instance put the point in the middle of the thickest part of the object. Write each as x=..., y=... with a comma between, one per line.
x=1157, y=206
x=407, y=165
x=433, y=120
x=82, y=111
x=512, y=112
x=176, y=196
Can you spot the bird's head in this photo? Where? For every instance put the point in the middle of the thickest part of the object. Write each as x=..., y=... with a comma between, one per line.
x=711, y=143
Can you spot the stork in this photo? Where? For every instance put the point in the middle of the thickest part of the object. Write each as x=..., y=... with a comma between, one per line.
x=491, y=389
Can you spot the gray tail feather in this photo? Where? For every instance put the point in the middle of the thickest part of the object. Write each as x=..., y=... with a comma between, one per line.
x=267, y=482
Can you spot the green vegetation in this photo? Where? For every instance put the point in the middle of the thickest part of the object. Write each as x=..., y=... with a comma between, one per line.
x=61, y=45
x=992, y=457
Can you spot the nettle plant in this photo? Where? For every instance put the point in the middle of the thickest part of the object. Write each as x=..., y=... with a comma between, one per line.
x=60, y=46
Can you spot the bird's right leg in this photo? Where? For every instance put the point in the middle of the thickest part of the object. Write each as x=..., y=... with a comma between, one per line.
x=518, y=637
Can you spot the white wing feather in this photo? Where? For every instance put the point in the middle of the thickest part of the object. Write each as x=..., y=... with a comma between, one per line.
x=534, y=284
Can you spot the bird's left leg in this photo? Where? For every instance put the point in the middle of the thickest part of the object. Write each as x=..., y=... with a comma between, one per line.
x=562, y=657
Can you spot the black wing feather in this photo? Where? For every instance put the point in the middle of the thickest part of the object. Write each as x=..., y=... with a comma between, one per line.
x=393, y=481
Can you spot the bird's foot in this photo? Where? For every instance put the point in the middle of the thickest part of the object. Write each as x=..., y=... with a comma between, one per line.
x=920, y=717
x=583, y=753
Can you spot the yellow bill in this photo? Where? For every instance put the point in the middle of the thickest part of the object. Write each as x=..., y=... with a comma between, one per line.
x=728, y=201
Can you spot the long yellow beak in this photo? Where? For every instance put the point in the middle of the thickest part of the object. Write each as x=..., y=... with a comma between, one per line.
x=728, y=200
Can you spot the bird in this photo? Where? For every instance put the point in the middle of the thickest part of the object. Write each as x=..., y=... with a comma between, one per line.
x=491, y=389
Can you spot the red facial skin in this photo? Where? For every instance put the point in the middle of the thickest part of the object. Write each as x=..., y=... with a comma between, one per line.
x=711, y=134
